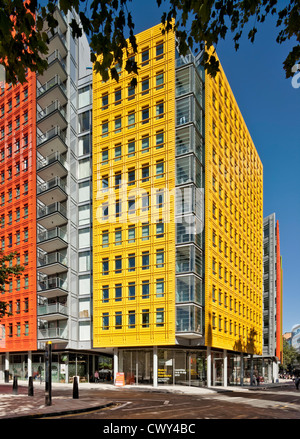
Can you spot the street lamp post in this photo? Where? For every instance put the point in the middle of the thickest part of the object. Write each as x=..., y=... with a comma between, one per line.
x=48, y=377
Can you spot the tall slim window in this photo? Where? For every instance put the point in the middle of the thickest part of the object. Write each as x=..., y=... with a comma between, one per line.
x=131, y=290
x=118, y=292
x=105, y=293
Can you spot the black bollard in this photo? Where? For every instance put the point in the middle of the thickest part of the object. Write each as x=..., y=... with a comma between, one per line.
x=15, y=386
x=30, y=386
x=6, y=376
x=75, y=388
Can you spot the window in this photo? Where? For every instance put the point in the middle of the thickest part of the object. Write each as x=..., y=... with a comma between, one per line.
x=105, y=266
x=104, y=211
x=118, y=264
x=159, y=50
x=118, y=152
x=131, y=290
x=145, y=289
x=160, y=317
x=159, y=169
x=118, y=208
x=131, y=119
x=118, y=320
x=131, y=319
x=118, y=236
x=118, y=96
x=159, y=80
x=160, y=287
x=160, y=198
x=145, y=260
x=145, y=318
x=84, y=191
x=84, y=261
x=104, y=183
x=145, y=232
x=118, y=292
x=104, y=156
x=159, y=110
x=145, y=114
x=145, y=173
x=118, y=178
x=83, y=121
x=131, y=148
x=105, y=321
x=145, y=85
x=159, y=229
x=131, y=262
x=159, y=258
x=145, y=143
x=145, y=56
x=131, y=234
x=105, y=238
x=84, y=145
x=104, y=101
x=159, y=139
x=105, y=128
x=131, y=92
x=118, y=124
x=145, y=202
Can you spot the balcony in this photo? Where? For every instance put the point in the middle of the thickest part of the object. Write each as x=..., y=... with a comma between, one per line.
x=188, y=321
x=53, y=141
x=53, y=239
x=54, y=215
x=52, y=287
x=53, y=115
x=53, y=165
x=53, y=334
x=52, y=263
x=53, y=90
x=55, y=311
x=52, y=191
x=56, y=66
x=57, y=41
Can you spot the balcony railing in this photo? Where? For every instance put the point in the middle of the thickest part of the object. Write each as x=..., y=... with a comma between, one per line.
x=50, y=109
x=56, y=56
x=57, y=232
x=52, y=309
x=56, y=157
x=49, y=84
x=52, y=208
x=52, y=283
x=55, y=131
x=52, y=258
x=44, y=334
x=55, y=182
x=57, y=31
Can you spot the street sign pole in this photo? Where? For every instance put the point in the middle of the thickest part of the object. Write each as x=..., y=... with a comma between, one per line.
x=48, y=377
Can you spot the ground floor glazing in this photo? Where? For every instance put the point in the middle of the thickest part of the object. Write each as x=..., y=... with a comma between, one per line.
x=156, y=366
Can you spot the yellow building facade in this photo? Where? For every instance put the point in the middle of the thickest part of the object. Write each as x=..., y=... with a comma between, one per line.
x=133, y=200
x=233, y=224
x=177, y=221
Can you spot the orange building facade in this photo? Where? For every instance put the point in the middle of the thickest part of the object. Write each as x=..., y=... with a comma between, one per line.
x=18, y=332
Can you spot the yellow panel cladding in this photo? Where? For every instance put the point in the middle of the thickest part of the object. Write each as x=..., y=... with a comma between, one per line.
x=134, y=137
x=233, y=225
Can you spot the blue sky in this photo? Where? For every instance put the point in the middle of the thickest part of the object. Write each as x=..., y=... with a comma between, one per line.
x=271, y=109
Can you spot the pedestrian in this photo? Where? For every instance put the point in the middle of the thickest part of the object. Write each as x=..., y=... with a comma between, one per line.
x=297, y=379
x=96, y=376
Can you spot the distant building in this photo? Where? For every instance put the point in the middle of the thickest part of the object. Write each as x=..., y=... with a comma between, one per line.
x=272, y=295
x=295, y=339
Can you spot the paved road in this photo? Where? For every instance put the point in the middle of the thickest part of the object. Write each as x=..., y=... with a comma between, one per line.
x=275, y=403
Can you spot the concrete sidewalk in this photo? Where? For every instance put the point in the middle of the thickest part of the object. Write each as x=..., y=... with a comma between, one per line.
x=23, y=406
x=18, y=406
